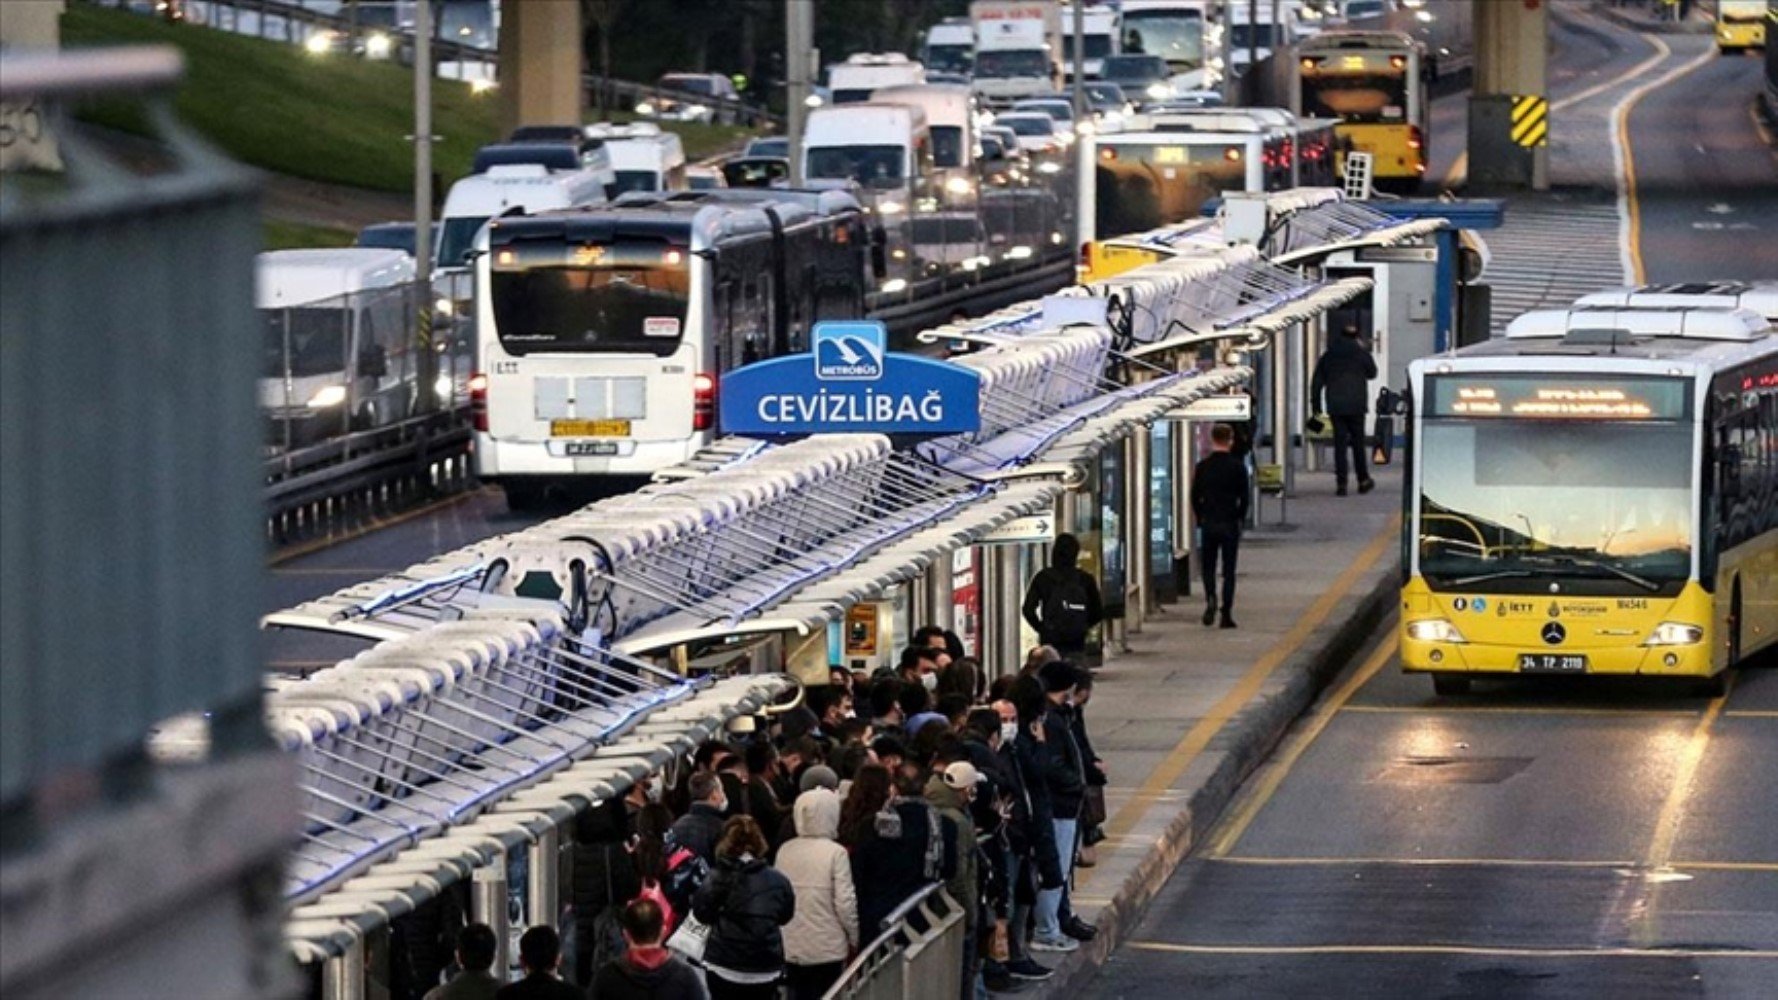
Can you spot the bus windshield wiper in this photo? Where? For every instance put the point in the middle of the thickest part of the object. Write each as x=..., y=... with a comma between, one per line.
x=1618, y=571
x=1499, y=574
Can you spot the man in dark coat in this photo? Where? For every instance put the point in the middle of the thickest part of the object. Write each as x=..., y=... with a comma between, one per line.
x=1062, y=603
x=1339, y=388
x=1219, y=503
x=540, y=955
x=647, y=970
x=698, y=830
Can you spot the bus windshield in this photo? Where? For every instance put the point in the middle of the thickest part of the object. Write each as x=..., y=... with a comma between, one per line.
x=1176, y=36
x=625, y=297
x=1371, y=93
x=872, y=166
x=1139, y=187
x=1512, y=506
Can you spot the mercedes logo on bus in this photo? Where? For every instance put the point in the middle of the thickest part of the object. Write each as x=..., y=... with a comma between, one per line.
x=1554, y=633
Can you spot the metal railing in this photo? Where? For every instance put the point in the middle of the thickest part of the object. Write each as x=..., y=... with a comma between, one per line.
x=919, y=955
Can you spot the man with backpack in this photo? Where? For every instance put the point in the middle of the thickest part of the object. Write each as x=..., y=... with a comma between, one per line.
x=1062, y=603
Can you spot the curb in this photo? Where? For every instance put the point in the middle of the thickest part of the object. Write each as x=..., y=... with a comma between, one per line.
x=1253, y=736
x=1690, y=26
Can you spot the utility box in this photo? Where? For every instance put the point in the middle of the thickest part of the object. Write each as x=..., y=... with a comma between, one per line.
x=1496, y=159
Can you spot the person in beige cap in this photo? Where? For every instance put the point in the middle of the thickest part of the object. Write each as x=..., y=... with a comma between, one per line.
x=950, y=790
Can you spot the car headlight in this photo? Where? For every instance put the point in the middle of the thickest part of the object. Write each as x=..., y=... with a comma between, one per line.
x=443, y=387
x=890, y=207
x=327, y=396
x=696, y=110
x=1675, y=634
x=443, y=306
x=1159, y=91
x=1434, y=630
x=957, y=185
x=645, y=108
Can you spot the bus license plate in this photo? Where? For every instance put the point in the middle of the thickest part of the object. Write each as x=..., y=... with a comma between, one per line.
x=589, y=428
x=581, y=449
x=1552, y=663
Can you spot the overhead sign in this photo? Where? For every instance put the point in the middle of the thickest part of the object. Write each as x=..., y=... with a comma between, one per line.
x=1032, y=528
x=850, y=383
x=1221, y=408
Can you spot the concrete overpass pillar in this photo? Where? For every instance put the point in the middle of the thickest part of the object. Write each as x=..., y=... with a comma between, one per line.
x=540, y=64
x=1509, y=110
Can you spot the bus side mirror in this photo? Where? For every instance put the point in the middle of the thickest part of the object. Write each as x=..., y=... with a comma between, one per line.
x=373, y=361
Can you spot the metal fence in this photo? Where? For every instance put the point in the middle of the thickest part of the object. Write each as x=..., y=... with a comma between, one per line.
x=919, y=956
x=126, y=433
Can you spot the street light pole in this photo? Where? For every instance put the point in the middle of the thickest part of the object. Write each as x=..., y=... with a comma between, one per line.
x=799, y=57
x=1080, y=61
x=428, y=357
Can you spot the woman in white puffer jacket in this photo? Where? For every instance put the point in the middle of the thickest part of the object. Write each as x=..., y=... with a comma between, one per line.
x=824, y=931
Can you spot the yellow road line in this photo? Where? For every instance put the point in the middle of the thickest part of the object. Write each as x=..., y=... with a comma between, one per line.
x=1638, y=274
x=310, y=548
x=1443, y=949
x=1236, y=827
x=1516, y=710
x=1660, y=849
x=1282, y=861
x=1752, y=713
x=1194, y=741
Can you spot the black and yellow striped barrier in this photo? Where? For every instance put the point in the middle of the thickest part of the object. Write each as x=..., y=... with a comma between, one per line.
x=1531, y=121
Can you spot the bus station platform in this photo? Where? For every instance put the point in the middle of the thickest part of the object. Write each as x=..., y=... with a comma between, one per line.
x=1188, y=712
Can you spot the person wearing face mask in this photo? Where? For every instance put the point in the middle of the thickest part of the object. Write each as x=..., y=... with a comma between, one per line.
x=1066, y=778
x=701, y=826
x=920, y=665
x=991, y=812
x=1031, y=835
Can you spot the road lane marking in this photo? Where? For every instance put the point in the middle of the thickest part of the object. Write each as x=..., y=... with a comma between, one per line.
x=321, y=544
x=1262, y=793
x=1752, y=713
x=1445, y=949
x=1198, y=737
x=1655, y=713
x=1459, y=171
x=1726, y=866
x=1660, y=849
x=1624, y=160
x=1255, y=859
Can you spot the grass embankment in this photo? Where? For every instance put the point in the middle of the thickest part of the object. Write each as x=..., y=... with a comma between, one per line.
x=335, y=119
x=282, y=235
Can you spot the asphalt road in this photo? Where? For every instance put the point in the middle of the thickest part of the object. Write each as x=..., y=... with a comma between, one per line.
x=1531, y=840
x=1706, y=177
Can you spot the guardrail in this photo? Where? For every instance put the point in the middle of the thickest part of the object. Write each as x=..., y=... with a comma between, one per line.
x=918, y=957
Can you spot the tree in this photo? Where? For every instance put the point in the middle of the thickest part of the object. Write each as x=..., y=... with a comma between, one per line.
x=602, y=16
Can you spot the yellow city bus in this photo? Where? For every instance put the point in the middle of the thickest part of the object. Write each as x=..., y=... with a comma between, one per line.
x=1740, y=25
x=1595, y=493
x=1376, y=84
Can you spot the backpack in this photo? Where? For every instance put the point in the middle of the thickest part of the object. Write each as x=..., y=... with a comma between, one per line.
x=1064, y=609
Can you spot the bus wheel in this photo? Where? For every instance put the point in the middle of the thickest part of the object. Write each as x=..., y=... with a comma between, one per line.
x=1735, y=625
x=1450, y=685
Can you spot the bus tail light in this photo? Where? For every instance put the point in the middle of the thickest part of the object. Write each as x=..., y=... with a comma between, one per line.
x=703, y=402
x=1414, y=140
x=478, y=401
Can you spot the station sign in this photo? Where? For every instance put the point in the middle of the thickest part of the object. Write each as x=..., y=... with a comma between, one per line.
x=1219, y=408
x=1022, y=530
x=850, y=383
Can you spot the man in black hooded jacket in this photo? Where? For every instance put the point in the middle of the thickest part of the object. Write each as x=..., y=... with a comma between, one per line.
x=1062, y=603
x=1340, y=388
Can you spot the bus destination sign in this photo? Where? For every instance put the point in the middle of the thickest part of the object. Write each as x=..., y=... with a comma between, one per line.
x=1556, y=396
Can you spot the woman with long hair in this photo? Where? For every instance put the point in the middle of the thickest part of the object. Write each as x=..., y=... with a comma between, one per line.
x=746, y=904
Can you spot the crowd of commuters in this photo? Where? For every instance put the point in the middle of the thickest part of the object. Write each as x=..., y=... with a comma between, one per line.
x=771, y=861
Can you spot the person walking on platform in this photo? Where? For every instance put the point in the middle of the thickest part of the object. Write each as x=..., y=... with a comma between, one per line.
x=1339, y=388
x=1220, y=495
x=1062, y=603
x=475, y=955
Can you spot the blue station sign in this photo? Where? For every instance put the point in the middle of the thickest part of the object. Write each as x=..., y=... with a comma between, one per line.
x=850, y=383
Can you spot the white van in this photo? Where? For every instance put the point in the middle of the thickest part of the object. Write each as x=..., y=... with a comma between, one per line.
x=1101, y=28
x=518, y=187
x=882, y=147
x=643, y=157
x=856, y=79
x=338, y=354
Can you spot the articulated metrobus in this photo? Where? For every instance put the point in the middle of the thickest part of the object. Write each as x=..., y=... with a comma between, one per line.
x=603, y=333
x=1376, y=84
x=1740, y=25
x=1594, y=493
